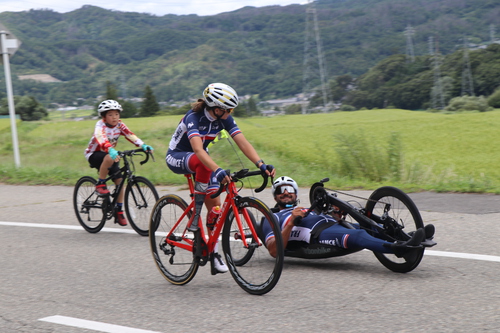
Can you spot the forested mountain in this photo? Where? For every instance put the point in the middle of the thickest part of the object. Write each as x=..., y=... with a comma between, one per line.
x=256, y=50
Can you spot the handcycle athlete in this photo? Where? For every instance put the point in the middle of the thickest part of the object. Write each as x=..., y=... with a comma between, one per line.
x=310, y=233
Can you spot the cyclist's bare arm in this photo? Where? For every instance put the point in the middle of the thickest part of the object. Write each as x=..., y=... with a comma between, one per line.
x=285, y=232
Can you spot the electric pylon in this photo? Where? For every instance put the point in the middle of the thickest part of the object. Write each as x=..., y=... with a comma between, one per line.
x=437, y=97
x=314, y=61
x=409, y=32
x=467, y=85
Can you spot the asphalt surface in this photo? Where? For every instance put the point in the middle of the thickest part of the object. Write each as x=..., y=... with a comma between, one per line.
x=109, y=278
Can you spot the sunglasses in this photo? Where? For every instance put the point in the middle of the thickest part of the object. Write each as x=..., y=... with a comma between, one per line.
x=225, y=110
x=281, y=189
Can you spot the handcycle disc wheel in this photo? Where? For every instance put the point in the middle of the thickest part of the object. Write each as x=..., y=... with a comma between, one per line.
x=176, y=264
x=140, y=197
x=88, y=205
x=252, y=267
x=405, y=213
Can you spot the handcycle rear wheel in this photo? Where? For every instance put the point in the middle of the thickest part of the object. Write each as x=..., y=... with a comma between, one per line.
x=176, y=264
x=405, y=213
x=252, y=267
x=140, y=197
x=88, y=205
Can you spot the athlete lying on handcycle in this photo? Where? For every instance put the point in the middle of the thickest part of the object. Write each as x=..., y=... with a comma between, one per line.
x=323, y=232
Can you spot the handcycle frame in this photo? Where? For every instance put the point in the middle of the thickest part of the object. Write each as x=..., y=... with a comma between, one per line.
x=382, y=217
x=235, y=224
x=106, y=205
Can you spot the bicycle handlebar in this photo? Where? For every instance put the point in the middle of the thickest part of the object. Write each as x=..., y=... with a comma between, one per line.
x=135, y=151
x=243, y=173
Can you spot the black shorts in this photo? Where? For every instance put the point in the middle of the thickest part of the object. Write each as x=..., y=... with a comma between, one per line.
x=95, y=161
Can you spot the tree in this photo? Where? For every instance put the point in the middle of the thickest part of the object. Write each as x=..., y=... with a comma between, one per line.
x=29, y=108
x=494, y=99
x=149, y=105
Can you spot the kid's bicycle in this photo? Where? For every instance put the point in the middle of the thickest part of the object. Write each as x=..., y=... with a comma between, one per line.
x=178, y=252
x=92, y=210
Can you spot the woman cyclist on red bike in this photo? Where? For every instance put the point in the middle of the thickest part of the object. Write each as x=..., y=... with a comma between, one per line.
x=188, y=152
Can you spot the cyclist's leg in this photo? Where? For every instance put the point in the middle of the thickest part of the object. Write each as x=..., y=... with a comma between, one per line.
x=101, y=161
x=340, y=236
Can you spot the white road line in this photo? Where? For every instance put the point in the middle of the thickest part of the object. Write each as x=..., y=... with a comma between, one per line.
x=93, y=325
x=60, y=226
x=459, y=255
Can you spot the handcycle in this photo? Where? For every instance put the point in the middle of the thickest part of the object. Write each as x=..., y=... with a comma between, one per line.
x=389, y=214
x=178, y=252
x=92, y=210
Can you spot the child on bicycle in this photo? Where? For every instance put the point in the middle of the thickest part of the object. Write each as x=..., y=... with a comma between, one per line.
x=188, y=151
x=102, y=155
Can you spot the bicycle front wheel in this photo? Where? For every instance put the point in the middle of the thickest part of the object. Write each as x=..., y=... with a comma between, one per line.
x=404, y=220
x=140, y=197
x=250, y=264
x=88, y=205
x=175, y=262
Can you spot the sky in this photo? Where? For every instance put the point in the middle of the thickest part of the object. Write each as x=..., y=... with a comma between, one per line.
x=158, y=7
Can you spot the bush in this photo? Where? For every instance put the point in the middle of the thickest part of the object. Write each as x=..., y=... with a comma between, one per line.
x=468, y=103
x=346, y=107
x=494, y=99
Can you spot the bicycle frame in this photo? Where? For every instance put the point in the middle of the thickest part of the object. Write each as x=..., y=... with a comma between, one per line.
x=211, y=236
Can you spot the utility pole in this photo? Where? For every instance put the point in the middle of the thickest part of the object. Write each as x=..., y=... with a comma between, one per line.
x=467, y=85
x=437, y=90
x=8, y=46
x=314, y=62
x=410, y=55
x=492, y=33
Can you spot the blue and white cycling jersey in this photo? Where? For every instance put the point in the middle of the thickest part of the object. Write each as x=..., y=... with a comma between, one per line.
x=200, y=124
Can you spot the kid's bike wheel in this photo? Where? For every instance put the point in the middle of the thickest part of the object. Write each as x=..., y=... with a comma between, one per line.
x=251, y=266
x=176, y=263
x=405, y=220
x=140, y=197
x=89, y=207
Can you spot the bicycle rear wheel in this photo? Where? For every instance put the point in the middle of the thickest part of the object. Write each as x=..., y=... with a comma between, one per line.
x=176, y=264
x=251, y=266
x=88, y=205
x=405, y=220
x=140, y=197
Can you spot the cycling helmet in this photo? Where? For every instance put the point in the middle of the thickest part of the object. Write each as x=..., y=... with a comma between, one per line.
x=284, y=180
x=109, y=104
x=220, y=95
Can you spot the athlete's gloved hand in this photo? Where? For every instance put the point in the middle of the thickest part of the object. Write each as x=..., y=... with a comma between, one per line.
x=113, y=153
x=146, y=148
x=220, y=174
x=263, y=167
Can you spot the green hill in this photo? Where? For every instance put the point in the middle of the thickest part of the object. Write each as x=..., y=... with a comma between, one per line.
x=257, y=50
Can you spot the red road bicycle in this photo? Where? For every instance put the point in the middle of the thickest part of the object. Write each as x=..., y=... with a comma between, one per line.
x=178, y=252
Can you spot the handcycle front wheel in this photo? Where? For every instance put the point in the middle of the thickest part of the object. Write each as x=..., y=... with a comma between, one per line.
x=251, y=266
x=405, y=220
x=176, y=263
x=89, y=207
x=140, y=197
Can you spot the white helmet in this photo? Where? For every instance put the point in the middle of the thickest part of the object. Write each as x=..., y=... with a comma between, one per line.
x=284, y=180
x=109, y=104
x=220, y=95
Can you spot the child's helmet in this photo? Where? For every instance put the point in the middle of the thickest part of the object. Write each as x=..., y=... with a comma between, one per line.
x=220, y=95
x=284, y=180
x=109, y=104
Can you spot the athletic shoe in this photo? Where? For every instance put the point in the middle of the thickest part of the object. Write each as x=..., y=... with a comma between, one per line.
x=120, y=219
x=101, y=190
x=219, y=265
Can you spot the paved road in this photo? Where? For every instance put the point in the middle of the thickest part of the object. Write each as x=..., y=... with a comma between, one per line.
x=110, y=278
